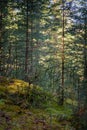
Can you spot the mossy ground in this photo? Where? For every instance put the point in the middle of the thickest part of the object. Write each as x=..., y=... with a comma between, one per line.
x=35, y=110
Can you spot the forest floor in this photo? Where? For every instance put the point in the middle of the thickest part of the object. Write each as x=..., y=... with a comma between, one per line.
x=30, y=108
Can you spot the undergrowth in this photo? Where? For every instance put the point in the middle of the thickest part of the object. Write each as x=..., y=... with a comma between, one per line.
x=29, y=107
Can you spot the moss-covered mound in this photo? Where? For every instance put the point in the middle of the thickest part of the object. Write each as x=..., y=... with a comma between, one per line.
x=21, y=93
x=29, y=107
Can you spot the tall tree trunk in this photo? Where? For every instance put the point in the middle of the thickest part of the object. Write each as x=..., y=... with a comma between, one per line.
x=27, y=43
x=85, y=48
x=1, y=58
x=31, y=42
x=85, y=58
x=62, y=91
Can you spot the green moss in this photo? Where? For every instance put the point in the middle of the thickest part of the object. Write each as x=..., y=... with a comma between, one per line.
x=71, y=102
x=25, y=104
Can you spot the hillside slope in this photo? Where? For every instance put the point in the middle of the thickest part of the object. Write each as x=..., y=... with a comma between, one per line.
x=24, y=107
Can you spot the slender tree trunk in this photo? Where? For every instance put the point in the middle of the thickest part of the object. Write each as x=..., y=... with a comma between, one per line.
x=62, y=92
x=31, y=41
x=85, y=48
x=9, y=60
x=1, y=41
x=16, y=63
x=27, y=44
x=85, y=59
